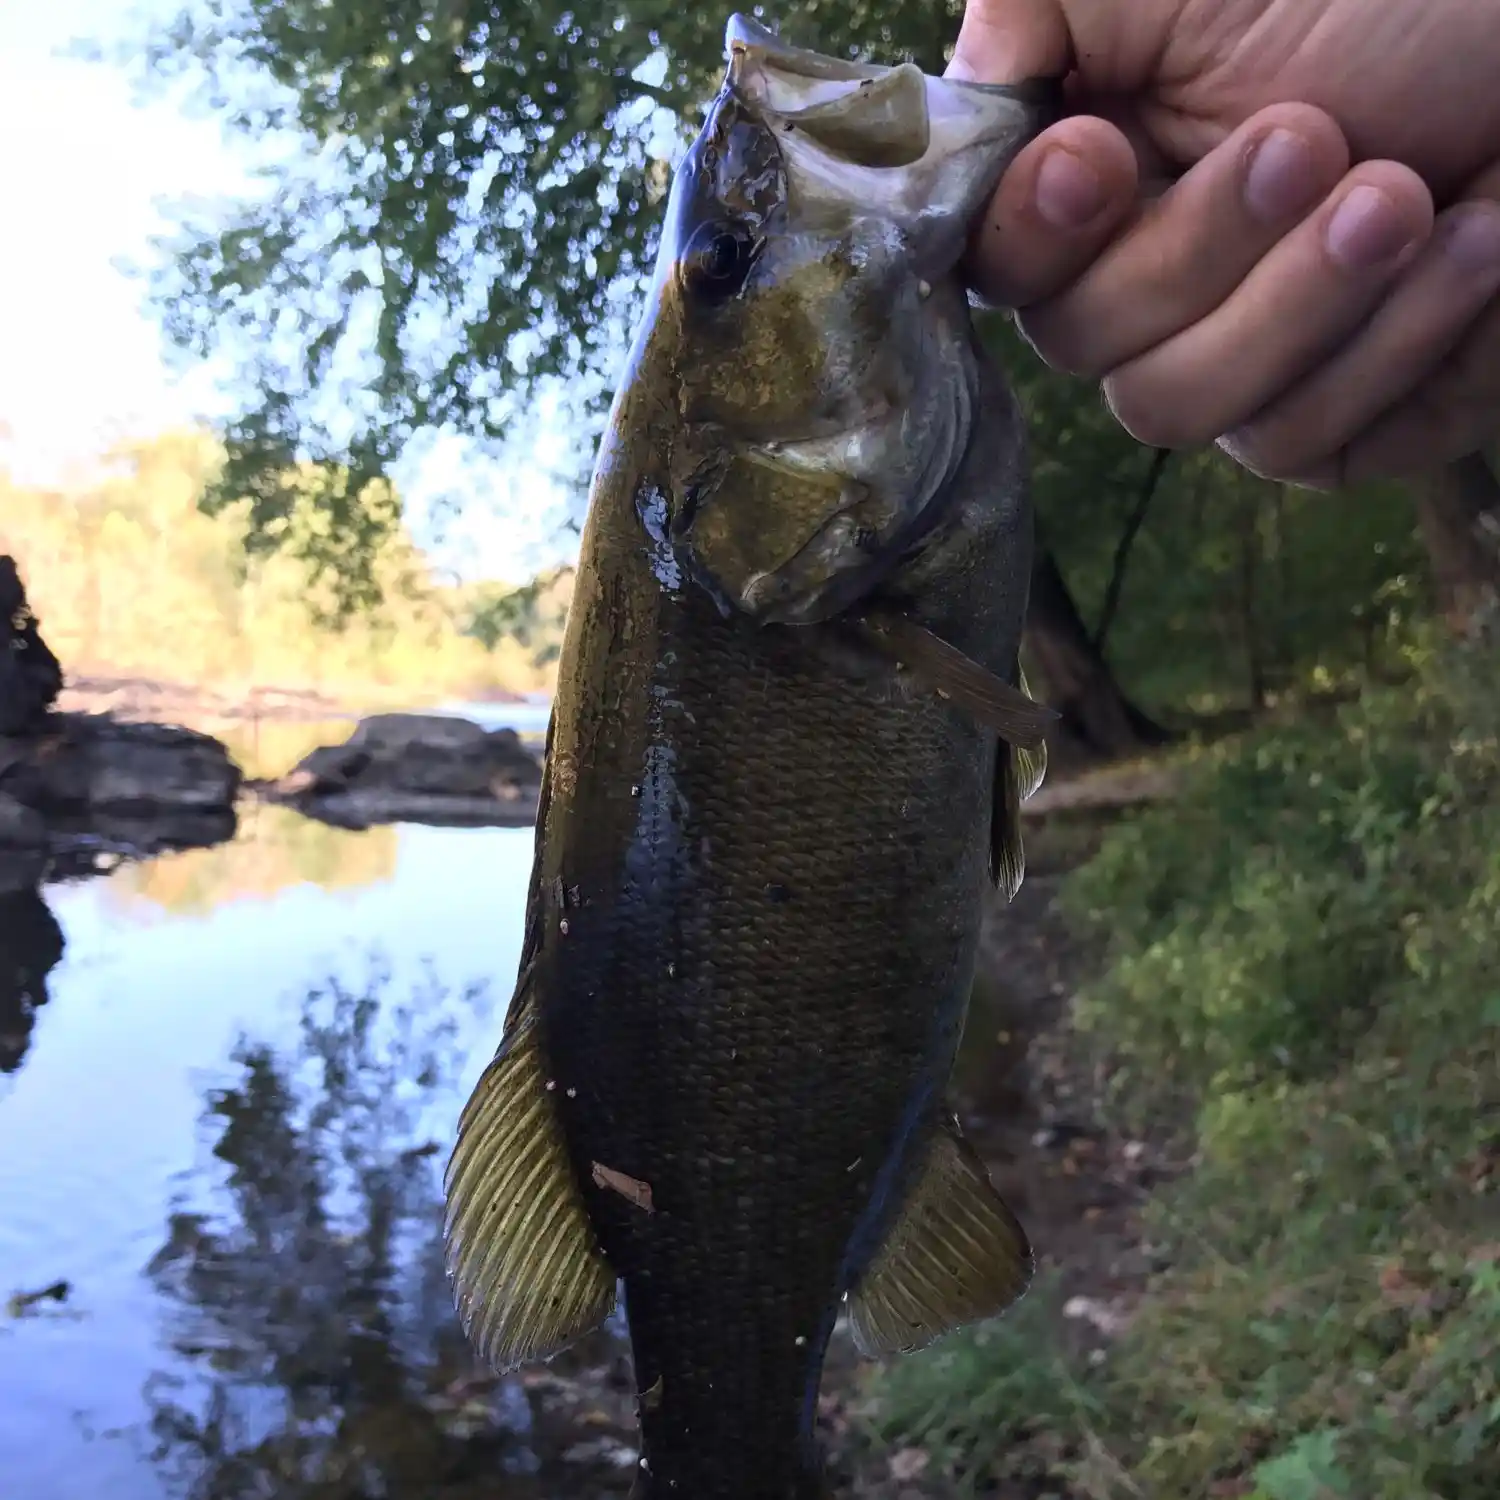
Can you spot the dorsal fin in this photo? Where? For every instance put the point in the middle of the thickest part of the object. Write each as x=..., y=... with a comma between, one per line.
x=955, y=1255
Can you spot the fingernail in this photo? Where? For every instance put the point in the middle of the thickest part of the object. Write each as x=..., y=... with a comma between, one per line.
x=1281, y=180
x=1473, y=241
x=1069, y=192
x=1367, y=230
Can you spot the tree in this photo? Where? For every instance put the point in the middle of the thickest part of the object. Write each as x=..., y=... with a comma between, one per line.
x=1458, y=509
x=472, y=216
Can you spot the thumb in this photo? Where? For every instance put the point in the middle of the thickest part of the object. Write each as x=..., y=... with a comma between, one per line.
x=1005, y=41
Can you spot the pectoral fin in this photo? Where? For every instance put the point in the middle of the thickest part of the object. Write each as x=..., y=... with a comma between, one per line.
x=527, y=1272
x=1007, y=848
x=956, y=1255
x=989, y=700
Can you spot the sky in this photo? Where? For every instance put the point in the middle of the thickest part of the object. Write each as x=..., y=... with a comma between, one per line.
x=85, y=170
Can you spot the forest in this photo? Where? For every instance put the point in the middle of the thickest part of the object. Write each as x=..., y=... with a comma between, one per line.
x=1289, y=1008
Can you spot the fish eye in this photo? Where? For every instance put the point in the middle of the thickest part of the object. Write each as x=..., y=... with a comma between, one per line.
x=717, y=260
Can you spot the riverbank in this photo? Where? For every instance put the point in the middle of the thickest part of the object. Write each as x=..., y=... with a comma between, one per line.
x=200, y=707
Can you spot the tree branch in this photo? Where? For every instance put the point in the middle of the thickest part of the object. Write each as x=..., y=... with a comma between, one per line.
x=1133, y=525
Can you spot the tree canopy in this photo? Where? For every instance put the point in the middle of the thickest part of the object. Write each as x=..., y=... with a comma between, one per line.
x=470, y=208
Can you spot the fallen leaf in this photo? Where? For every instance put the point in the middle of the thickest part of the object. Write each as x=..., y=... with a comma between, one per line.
x=21, y=1303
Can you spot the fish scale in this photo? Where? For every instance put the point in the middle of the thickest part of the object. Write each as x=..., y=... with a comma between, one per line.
x=775, y=800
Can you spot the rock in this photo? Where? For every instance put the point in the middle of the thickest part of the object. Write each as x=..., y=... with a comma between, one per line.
x=91, y=785
x=21, y=827
x=31, y=943
x=99, y=763
x=30, y=676
x=415, y=768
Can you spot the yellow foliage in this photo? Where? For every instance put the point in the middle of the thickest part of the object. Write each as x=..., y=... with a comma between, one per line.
x=275, y=850
x=130, y=578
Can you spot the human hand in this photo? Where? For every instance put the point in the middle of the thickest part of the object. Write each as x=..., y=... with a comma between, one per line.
x=1321, y=320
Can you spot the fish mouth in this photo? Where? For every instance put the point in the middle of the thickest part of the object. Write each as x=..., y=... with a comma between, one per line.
x=870, y=114
x=745, y=36
x=873, y=114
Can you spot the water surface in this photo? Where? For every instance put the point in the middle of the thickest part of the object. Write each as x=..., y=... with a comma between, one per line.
x=222, y=1126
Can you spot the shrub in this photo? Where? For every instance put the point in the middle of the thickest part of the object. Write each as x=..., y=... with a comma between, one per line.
x=1302, y=963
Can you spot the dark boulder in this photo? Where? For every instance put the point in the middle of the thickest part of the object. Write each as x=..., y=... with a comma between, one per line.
x=415, y=768
x=91, y=779
x=30, y=675
x=31, y=943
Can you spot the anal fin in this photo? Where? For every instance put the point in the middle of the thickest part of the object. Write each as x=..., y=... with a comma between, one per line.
x=956, y=1255
x=527, y=1273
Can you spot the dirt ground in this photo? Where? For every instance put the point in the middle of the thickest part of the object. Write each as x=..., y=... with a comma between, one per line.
x=197, y=707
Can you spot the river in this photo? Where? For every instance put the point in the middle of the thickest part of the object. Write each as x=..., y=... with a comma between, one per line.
x=221, y=1139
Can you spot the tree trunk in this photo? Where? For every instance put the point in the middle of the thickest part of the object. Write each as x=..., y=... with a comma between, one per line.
x=1458, y=511
x=1098, y=721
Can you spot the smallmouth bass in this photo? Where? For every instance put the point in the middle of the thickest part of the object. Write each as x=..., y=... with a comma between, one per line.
x=786, y=757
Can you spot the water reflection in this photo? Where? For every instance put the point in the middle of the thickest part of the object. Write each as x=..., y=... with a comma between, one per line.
x=276, y=849
x=160, y=974
x=31, y=944
x=310, y=1296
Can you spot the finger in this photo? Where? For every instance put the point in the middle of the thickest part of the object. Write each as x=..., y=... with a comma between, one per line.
x=1304, y=299
x=1421, y=322
x=1058, y=205
x=1001, y=41
x=1191, y=248
x=1455, y=412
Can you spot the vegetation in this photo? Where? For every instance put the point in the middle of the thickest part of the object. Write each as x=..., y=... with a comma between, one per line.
x=1301, y=980
x=1210, y=591
x=131, y=577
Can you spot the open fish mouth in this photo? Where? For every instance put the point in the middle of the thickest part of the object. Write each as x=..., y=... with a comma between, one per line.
x=870, y=114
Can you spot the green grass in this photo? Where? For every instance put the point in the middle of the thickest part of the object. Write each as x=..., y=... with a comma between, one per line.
x=1303, y=975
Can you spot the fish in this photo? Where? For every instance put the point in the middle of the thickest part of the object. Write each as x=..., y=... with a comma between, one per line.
x=783, y=771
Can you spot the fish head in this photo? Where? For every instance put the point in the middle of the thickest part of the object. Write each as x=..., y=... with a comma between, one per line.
x=807, y=327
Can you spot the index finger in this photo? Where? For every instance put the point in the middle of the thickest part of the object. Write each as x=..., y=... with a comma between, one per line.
x=1060, y=203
